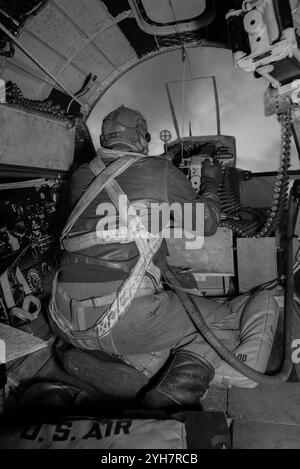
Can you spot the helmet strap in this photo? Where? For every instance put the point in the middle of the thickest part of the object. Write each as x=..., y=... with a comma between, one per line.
x=142, y=143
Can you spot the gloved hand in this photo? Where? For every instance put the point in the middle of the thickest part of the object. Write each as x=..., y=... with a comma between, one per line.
x=211, y=172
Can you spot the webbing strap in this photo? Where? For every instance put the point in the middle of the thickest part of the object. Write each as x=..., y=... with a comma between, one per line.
x=23, y=282
x=124, y=297
x=133, y=225
x=88, y=240
x=81, y=240
x=7, y=292
x=119, y=306
x=130, y=217
x=99, y=183
x=147, y=248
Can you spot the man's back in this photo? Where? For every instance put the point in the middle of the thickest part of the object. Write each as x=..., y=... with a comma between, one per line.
x=140, y=323
x=146, y=181
x=149, y=180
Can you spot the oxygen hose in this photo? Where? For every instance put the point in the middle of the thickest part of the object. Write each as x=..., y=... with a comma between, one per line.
x=173, y=277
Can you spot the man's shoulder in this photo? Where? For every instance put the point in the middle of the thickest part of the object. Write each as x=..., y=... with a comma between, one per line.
x=157, y=165
x=157, y=161
x=83, y=169
x=82, y=176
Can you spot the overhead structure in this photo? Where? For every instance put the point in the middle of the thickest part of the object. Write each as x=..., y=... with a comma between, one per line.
x=73, y=39
x=76, y=39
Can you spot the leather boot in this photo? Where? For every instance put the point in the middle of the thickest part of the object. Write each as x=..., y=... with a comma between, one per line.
x=110, y=376
x=45, y=399
x=182, y=383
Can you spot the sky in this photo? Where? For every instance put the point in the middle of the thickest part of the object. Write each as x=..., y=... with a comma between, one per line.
x=159, y=10
x=241, y=103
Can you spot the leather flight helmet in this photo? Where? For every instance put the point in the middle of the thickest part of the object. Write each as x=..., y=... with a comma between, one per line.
x=125, y=126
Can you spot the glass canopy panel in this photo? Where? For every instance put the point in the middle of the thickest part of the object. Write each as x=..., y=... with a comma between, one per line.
x=160, y=11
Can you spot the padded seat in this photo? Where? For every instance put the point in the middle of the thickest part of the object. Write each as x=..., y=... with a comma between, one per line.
x=259, y=316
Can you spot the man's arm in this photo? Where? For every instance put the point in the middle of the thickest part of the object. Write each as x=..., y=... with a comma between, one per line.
x=210, y=181
x=179, y=189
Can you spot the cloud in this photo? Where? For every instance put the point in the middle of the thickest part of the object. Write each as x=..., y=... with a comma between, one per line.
x=241, y=102
x=159, y=10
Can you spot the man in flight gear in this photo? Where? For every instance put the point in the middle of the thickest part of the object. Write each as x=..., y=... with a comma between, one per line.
x=145, y=345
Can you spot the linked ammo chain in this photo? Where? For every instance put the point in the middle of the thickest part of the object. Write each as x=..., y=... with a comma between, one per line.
x=255, y=227
x=280, y=196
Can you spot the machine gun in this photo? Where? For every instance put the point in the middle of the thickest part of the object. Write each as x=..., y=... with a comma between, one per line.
x=264, y=41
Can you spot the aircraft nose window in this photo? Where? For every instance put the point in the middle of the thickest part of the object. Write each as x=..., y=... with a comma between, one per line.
x=241, y=105
x=161, y=12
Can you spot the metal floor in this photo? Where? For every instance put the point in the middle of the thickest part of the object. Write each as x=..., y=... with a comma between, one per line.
x=263, y=417
x=266, y=417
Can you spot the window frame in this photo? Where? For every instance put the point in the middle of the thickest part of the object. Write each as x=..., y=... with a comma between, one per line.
x=166, y=29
